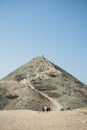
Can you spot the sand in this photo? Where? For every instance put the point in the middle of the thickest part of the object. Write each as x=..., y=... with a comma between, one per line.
x=32, y=120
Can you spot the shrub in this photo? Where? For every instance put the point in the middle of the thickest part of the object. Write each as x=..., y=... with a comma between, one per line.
x=19, y=77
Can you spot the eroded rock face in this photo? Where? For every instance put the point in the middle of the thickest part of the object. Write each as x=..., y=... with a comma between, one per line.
x=31, y=86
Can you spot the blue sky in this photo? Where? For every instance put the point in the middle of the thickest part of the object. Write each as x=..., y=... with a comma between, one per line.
x=56, y=29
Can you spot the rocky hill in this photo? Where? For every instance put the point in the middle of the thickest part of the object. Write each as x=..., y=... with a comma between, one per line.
x=41, y=82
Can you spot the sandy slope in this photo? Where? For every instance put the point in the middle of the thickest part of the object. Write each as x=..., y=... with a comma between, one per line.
x=31, y=120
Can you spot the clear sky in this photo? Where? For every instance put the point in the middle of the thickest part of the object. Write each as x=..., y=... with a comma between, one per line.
x=56, y=29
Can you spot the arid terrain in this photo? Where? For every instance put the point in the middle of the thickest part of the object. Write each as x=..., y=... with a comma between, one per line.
x=32, y=120
x=40, y=82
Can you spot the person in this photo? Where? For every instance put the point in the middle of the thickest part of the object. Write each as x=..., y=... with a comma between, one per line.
x=46, y=108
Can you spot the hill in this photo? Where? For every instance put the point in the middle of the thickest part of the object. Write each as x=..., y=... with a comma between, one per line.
x=41, y=82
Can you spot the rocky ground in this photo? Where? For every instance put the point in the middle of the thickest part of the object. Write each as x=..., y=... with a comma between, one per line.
x=32, y=120
x=41, y=82
x=37, y=83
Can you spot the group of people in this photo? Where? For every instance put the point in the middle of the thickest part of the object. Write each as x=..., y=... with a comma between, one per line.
x=45, y=108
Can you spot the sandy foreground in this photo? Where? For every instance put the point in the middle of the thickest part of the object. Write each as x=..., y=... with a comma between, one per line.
x=31, y=120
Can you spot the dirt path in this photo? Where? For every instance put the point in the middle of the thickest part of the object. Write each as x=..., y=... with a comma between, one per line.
x=55, y=105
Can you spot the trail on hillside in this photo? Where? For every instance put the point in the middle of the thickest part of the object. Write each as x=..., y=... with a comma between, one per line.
x=54, y=104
